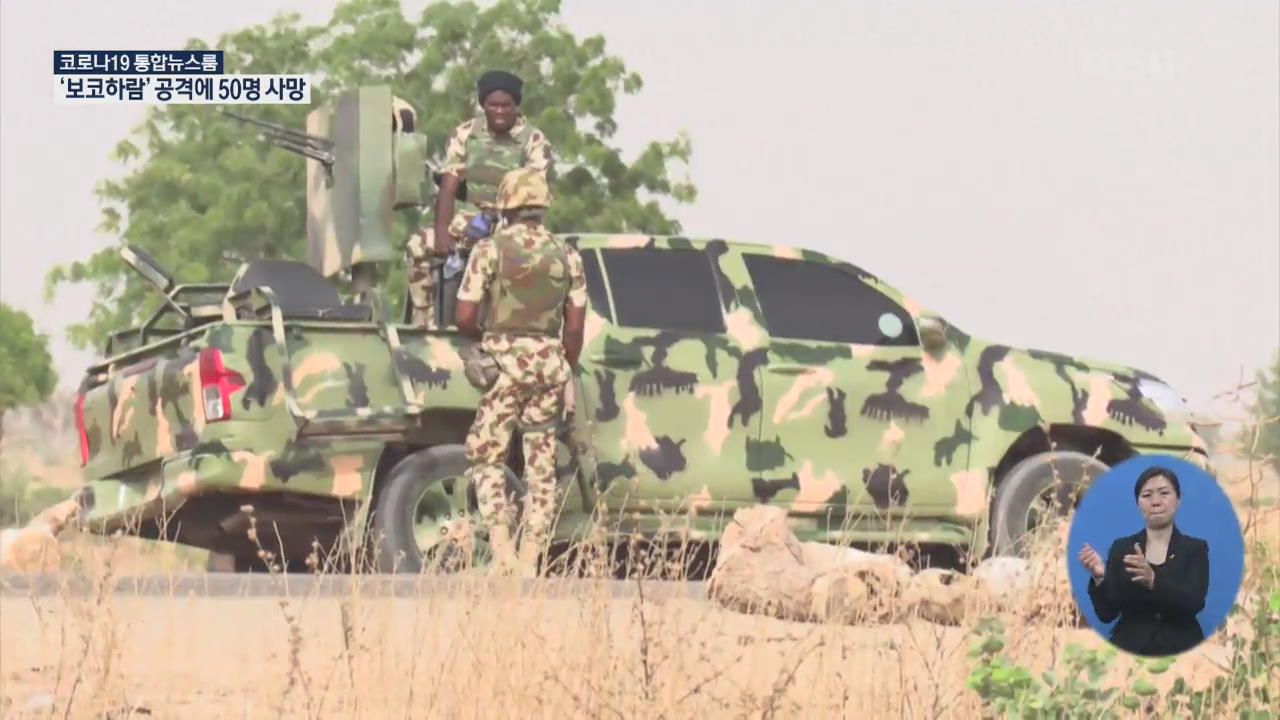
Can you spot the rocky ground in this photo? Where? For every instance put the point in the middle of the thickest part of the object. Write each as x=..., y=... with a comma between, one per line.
x=467, y=653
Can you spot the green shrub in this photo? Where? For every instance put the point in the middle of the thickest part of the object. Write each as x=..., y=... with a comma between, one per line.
x=21, y=498
x=13, y=488
x=1075, y=689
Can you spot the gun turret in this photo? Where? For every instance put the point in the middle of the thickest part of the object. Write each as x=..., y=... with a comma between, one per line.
x=365, y=161
x=304, y=144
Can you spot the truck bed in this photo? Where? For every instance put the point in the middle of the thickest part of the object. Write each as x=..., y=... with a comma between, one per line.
x=258, y=401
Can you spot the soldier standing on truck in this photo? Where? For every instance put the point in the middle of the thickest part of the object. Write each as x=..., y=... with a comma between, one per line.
x=483, y=149
x=534, y=290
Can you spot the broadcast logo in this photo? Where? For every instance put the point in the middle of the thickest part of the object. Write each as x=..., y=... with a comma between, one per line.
x=150, y=77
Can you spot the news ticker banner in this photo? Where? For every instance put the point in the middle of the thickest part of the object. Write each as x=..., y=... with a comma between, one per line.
x=151, y=77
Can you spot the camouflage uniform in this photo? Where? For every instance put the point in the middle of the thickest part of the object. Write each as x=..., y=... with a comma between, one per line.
x=481, y=158
x=527, y=276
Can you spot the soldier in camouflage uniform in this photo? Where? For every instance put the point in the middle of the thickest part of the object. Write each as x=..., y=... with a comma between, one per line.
x=534, y=290
x=480, y=152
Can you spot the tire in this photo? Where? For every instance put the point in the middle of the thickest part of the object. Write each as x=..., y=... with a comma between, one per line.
x=423, y=474
x=227, y=563
x=1064, y=472
x=221, y=563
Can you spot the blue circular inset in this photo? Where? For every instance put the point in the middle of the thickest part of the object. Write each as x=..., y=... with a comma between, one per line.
x=1109, y=511
x=890, y=325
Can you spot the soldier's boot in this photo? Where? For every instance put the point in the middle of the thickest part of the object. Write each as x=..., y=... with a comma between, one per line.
x=504, y=556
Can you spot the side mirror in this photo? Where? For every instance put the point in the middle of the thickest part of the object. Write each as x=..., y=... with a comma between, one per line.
x=933, y=334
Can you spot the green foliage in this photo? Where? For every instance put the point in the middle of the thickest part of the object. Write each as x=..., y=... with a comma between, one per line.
x=203, y=189
x=1254, y=676
x=1266, y=417
x=26, y=369
x=21, y=498
x=1075, y=688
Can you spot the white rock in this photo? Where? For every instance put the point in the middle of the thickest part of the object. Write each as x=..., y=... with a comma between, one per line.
x=36, y=703
x=1003, y=576
x=28, y=550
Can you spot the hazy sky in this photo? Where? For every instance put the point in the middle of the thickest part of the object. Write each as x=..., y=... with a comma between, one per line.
x=1097, y=178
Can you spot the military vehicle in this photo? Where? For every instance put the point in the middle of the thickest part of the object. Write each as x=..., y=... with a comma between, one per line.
x=715, y=374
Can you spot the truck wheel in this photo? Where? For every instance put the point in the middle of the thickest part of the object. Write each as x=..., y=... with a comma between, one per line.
x=426, y=516
x=220, y=563
x=1039, y=488
x=228, y=563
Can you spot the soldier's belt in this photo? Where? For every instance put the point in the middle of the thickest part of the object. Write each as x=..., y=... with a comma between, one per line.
x=533, y=428
x=519, y=333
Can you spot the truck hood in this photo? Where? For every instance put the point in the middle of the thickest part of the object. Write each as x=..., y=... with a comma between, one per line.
x=1154, y=389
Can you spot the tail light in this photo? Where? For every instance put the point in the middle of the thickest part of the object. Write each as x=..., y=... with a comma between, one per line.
x=84, y=436
x=216, y=385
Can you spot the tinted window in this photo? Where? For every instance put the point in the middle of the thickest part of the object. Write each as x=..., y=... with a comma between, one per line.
x=812, y=301
x=595, y=283
x=663, y=289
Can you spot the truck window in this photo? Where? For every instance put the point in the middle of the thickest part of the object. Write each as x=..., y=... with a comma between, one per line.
x=595, y=284
x=813, y=301
x=663, y=289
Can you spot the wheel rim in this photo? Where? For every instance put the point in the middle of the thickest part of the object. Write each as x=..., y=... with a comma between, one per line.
x=1053, y=506
x=446, y=531
x=1055, y=502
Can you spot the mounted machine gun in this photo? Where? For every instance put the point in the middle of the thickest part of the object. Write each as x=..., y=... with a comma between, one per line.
x=358, y=176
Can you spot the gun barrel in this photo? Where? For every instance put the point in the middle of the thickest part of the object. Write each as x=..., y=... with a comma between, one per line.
x=299, y=138
x=315, y=153
x=280, y=132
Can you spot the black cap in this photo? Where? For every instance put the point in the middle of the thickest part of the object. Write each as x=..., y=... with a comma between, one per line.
x=499, y=80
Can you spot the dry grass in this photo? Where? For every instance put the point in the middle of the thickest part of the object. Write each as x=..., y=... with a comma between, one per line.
x=471, y=656
x=41, y=442
x=467, y=653
x=493, y=654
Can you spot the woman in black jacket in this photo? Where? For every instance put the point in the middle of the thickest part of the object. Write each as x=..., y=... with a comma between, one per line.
x=1155, y=581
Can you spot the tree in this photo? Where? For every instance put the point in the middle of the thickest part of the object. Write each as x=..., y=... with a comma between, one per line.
x=26, y=369
x=202, y=188
x=1266, y=416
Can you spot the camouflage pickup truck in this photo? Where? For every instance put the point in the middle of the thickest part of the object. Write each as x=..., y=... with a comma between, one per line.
x=715, y=374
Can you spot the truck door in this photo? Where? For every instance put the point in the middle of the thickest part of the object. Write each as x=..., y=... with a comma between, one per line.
x=858, y=418
x=662, y=380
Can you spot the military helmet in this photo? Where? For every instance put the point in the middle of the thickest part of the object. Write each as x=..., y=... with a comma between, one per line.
x=523, y=187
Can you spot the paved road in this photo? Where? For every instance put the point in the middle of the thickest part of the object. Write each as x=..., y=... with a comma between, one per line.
x=232, y=585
